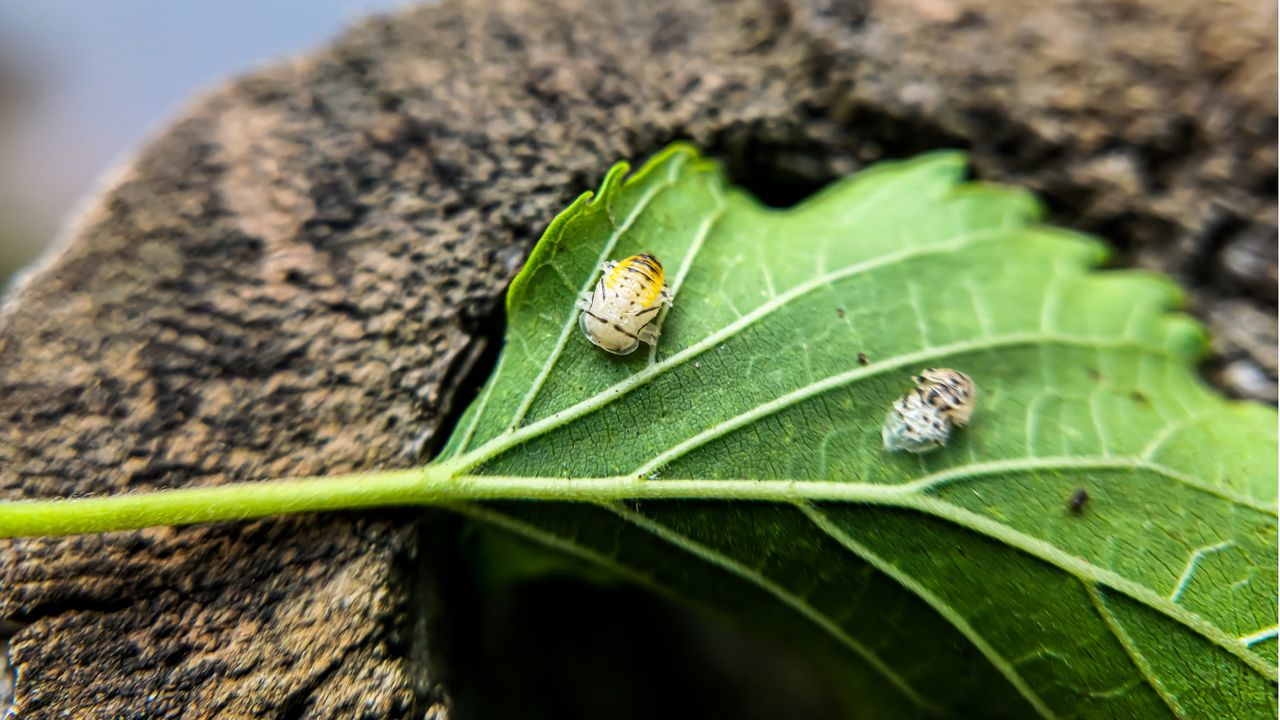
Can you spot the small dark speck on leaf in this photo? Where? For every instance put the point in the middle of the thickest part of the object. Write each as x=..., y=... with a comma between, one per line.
x=1093, y=373
x=862, y=359
x=1078, y=500
x=1139, y=397
x=840, y=313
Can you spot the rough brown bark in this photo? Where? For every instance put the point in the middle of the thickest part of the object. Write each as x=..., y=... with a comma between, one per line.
x=291, y=279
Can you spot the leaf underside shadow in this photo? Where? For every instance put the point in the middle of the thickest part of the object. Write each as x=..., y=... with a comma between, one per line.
x=954, y=583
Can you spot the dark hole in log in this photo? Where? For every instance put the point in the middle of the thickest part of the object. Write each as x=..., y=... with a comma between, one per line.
x=566, y=649
x=468, y=375
x=7, y=673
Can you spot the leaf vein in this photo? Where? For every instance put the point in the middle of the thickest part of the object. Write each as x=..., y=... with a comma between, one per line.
x=1001, y=664
x=1089, y=572
x=1192, y=562
x=515, y=436
x=782, y=402
x=798, y=604
x=699, y=240
x=1256, y=637
x=1135, y=656
x=1169, y=430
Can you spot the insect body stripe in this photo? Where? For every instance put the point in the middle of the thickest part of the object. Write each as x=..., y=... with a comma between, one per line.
x=627, y=301
x=638, y=271
x=650, y=262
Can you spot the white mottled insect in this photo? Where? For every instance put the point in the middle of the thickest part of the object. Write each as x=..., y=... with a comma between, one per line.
x=619, y=313
x=922, y=419
x=950, y=390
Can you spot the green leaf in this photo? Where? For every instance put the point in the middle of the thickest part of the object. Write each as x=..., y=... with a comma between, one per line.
x=956, y=582
x=739, y=464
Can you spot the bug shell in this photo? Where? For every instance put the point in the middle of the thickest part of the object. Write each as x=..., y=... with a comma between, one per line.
x=914, y=424
x=951, y=391
x=619, y=313
x=922, y=419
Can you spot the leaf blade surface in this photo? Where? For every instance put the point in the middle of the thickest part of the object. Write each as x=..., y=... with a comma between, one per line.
x=1126, y=609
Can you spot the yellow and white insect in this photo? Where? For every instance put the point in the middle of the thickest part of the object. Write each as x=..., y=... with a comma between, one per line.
x=922, y=419
x=619, y=313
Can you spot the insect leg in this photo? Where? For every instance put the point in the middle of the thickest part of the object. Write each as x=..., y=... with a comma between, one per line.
x=649, y=334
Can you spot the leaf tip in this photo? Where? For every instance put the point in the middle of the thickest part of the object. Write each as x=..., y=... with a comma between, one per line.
x=682, y=148
x=620, y=174
x=612, y=181
x=951, y=163
x=1095, y=251
x=1185, y=337
x=954, y=157
x=677, y=152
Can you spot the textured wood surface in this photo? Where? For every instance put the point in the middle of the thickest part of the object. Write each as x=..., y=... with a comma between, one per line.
x=294, y=276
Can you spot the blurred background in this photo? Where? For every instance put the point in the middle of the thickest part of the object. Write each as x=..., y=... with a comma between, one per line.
x=83, y=82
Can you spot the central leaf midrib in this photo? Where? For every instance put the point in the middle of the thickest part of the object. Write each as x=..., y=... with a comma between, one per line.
x=535, y=533
x=907, y=498
x=789, y=490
